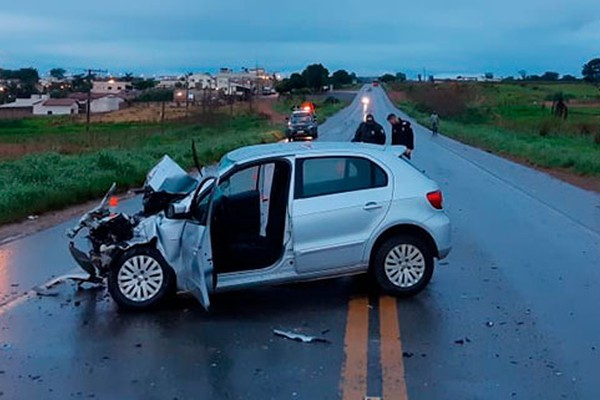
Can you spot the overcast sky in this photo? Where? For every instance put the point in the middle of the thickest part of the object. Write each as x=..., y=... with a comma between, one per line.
x=368, y=37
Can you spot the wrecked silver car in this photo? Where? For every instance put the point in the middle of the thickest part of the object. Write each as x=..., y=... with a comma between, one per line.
x=271, y=214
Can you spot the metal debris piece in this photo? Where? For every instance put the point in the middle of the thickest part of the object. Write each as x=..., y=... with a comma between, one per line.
x=489, y=324
x=299, y=337
x=43, y=291
x=33, y=217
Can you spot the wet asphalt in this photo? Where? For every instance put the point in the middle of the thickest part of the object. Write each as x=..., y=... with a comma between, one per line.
x=511, y=313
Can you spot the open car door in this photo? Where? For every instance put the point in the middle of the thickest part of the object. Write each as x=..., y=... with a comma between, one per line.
x=196, y=244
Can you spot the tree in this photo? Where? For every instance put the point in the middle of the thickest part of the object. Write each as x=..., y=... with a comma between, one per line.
x=523, y=74
x=400, y=76
x=80, y=83
x=143, y=84
x=294, y=82
x=315, y=76
x=25, y=75
x=591, y=71
x=128, y=77
x=489, y=76
x=568, y=78
x=58, y=73
x=550, y=76
x=341, y=77
x=387, y=78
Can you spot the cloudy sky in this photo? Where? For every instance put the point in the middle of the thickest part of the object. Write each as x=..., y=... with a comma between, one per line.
x=368, y=37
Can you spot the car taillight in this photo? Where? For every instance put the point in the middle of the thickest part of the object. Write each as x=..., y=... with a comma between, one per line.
x=436, y=199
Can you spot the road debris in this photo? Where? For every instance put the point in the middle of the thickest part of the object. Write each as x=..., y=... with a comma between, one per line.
x=489, y=324
x=462, y=341
x=32, y=217
x=299, y=337
x=43, y=291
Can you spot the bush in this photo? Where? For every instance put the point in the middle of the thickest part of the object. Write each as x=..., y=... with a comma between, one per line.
x=448, y=101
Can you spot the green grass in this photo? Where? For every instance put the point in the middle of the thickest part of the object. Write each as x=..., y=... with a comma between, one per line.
x=515, y=119
x=323, y=109
x=47, y=181
x=558, y=151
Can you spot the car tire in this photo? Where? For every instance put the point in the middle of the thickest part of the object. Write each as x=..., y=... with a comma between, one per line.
x=403, y=265
x=141, y=280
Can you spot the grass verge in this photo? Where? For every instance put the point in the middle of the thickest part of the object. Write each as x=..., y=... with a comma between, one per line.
x=324, y=107
x=47, y=181
x=576, y=153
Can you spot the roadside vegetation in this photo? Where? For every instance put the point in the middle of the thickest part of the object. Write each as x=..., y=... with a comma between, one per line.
x=518, y=119
x=325, y=106
x=121, y=153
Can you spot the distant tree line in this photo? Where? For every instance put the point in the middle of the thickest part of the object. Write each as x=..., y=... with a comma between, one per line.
x=314, y=78
x=389, y=78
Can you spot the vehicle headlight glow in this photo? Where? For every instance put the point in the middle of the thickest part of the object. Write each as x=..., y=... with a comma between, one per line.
x=365, y=100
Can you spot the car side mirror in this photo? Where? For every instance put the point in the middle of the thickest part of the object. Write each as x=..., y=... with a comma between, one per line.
x=176, y=211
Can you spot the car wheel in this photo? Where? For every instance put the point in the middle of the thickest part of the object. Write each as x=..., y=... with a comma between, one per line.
x=141, y=279
x=403, y=265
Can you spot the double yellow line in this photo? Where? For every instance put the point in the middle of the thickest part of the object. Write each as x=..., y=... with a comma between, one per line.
x=354, y=374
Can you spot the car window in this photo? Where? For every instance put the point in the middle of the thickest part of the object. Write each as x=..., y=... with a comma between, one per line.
x=242, y=181
x=301, y=119
x=329, y=175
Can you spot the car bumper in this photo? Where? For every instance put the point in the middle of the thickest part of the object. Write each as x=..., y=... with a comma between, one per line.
x=440, y=228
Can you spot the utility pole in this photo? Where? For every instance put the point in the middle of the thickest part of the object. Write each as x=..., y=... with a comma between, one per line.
x=89, y=95
x=187, y=93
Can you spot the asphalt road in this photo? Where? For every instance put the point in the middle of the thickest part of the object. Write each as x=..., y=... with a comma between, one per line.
x=510, y=314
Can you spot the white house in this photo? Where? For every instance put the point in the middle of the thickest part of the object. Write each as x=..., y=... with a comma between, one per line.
x=106, y=103
x=110, y=86
x=201, y=81
x=56, y=107
x=170, y=82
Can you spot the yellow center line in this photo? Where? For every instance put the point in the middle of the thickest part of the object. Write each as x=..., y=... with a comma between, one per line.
x=392, y=363
x=354, y=373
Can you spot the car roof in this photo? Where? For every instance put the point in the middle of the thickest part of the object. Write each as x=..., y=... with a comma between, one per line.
x=282, y=149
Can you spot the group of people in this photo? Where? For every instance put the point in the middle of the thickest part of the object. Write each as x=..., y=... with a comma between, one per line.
x=370, y=131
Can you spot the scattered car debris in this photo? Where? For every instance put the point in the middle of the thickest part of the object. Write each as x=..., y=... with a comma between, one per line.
x=462, y=341
x=407, y=354
x=43, y=291
x=489, y=324
x=32, y=217
x=299, y=337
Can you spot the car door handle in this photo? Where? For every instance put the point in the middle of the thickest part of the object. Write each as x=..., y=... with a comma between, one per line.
x=372, y=206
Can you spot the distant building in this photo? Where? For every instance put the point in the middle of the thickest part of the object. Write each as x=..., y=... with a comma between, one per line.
x=100, y=102
x=170, y=82
x=110, y=86
x=56, y=107
x=201, y=81
x=21, y=108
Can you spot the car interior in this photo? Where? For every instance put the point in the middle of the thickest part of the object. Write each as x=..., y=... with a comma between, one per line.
x=249, y=217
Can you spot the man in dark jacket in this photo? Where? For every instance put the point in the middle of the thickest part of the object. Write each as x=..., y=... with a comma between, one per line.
x=370, y=132
x=402, y=134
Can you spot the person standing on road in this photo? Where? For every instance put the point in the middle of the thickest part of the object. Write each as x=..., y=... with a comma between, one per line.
x=435, y=123
x=402, y=134
x=370, y=131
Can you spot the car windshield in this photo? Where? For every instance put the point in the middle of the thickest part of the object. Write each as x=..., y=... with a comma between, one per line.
x=301, y=119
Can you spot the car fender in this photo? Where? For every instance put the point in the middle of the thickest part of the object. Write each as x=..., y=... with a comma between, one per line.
x=397, y=227
x=161, y=233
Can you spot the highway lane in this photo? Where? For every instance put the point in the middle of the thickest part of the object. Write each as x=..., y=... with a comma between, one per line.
x=520, y=283
x=510, y=314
